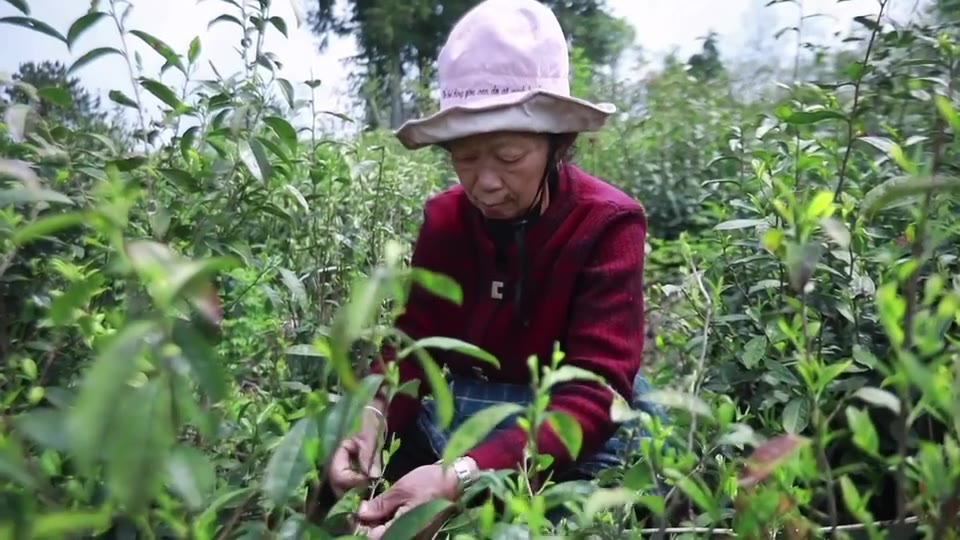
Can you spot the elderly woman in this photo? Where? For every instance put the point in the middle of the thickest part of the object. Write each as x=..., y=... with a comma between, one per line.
x=544, y=252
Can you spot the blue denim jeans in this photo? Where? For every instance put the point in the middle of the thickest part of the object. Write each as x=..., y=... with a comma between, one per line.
x=472, y=395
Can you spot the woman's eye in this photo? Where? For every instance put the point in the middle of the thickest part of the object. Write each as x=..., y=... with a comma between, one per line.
x=510, y=158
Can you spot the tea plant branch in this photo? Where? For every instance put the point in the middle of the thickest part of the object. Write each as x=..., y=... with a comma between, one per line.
x=857, y=84
x=121, y=29
x=699, y=374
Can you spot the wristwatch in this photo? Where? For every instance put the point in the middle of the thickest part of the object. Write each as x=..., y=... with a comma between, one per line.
x=467, y=472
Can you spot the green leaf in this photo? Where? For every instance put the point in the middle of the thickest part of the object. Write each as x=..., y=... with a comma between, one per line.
x=225, y=18
x=605, y=499
x=821, y=206
x=864, y=433
x=879, y=398
x=183, y=180
x=169, y=276
x=837, y=231
x=92, y=55
x=44, y=427
x=301, y=200
x=438, y=284
x=680, y=400
x=135, y=449
x=164, y=50
x=21, y=195
x=48, y=225
x=163, y=93
x=81, y=25
x=20, y=5
x=796, y=415
x=894, y=151
x=280, y=25
x=14, y=466
x=103, y=383
x=194, y=52
x=191, y=475
x=948, y=112
x=451, y=344
x=71, y=523
x=77, y=295
x=254, y=157
x=203, y=360
x=283, y=130
x=119, y=97
x=735, y=224
x=288, y=464
x=410, y=524
x=287, y=90
x=568, y=373
x=56, y=95
x=753, y=351
x=812, y=117
x=568, y=429
x=35, y=25
x=295, y=286
x=903, y=187
x=476, y=428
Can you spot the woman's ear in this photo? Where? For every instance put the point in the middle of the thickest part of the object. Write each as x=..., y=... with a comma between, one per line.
x=564, y=142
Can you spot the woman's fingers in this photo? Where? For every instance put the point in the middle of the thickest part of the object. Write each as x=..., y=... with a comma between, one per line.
x=342, y=474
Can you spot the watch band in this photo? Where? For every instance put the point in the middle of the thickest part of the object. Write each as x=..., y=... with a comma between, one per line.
x=466, y=472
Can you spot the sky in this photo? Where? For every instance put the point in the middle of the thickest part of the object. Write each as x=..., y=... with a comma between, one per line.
x=661, y=26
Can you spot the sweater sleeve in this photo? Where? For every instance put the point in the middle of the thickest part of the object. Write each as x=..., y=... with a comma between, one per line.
x=415, y=322
x=606, y=337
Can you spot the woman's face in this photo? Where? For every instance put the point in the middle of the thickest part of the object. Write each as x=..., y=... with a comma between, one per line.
x=501, y=172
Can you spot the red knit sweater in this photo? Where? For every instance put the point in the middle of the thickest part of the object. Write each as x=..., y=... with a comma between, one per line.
x=584, y=289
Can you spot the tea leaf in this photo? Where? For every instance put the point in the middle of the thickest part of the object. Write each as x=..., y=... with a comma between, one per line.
x=410, y=524
x=476, y=428
x=301, y=200
x=893, y=150
x=68, y=523
x=81, y=25
x=568, y=429
x=92, y=55
x=163, y=93
x=451, y=344
x=194, y=52
x=48, y=225
x=119, y=97
x=283, y=130
x=879, y=398
x=135, y=451
x=948, y=112
x=902, y=187
x=811, y=117
x=679, y=400
x=864, y=433
x=602, y=500
x=438, y=284
x=295, y=286
x=735, y=224
x=796, y=415
x=191, y=475
x=170, y=56
x=203, y=360
x=837, y=231
x=35, y=25
x=288, y=464
x=20, y=5
x=103, y=383
x=225, y=18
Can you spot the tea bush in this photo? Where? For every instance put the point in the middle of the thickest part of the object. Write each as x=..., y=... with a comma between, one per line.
x=188, y=305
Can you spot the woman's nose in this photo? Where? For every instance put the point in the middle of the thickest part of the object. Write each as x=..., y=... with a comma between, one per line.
x=488, y=180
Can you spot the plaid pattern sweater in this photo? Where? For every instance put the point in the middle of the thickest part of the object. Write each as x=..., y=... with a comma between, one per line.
x=583, y=289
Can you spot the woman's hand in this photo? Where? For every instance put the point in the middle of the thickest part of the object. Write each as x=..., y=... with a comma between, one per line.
x=419, y=486
x=357, y=460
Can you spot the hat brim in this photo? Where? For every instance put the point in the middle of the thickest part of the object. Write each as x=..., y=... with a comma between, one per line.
x=536, y=111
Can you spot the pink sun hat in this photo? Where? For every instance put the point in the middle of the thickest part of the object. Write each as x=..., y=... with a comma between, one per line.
x=505, y=67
